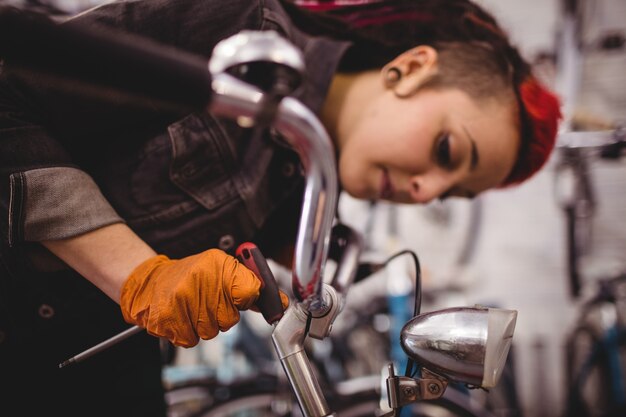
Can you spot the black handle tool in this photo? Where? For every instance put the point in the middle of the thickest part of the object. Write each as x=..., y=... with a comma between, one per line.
x=269, y=302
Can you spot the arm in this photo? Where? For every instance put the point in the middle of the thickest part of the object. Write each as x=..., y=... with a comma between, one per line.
x=52, y=201
x=105, y=256
x=45, y=197
x=182, y=300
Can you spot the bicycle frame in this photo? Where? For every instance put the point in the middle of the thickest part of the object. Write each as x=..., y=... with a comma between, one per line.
x=574, y=189
x=607, y=339
x=578, y=151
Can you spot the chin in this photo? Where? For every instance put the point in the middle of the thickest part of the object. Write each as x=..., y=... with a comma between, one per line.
x=360, y=193
x=355, y=186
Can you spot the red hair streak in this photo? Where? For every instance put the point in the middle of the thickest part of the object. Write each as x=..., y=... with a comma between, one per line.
x=540, y=119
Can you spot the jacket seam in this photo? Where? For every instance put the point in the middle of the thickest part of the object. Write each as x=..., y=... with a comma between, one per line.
x=16, y=203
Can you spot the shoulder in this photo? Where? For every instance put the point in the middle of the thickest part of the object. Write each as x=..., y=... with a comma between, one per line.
x=193, y=25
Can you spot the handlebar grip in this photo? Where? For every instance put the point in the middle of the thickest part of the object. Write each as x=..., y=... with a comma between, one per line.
x=269, y=302
x=101, y=56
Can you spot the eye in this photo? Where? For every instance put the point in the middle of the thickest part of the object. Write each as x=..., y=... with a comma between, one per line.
x=442, y=150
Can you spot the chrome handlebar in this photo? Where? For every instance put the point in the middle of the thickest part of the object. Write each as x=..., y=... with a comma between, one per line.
x=237, y=100
x=248, y=105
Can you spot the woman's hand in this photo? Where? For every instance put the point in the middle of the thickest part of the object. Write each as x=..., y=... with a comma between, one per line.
x=182, y=300
x=190, y=298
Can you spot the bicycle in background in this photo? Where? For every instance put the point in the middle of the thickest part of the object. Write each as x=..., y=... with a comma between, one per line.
x=596, y=347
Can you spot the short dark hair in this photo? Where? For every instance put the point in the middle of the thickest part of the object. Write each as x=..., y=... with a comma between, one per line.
x=474, y=55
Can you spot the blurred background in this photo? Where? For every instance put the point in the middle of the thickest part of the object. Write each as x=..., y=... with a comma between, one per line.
x=508, y=248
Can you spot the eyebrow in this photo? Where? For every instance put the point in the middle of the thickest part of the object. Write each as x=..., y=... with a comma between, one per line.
x=475, y=156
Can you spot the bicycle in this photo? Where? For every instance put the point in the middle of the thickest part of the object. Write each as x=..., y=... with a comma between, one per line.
x=467, y=345
x=596, y=347
x=348, y=362
x=266, y=393
x=596, y=354
x=347, y=392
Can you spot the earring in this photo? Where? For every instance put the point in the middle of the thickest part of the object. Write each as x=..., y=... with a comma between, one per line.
x=392, y=76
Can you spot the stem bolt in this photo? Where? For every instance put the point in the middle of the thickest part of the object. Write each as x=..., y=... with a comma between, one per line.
x=433, y=388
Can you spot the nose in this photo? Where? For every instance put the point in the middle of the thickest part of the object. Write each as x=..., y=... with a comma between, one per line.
x=424, y=189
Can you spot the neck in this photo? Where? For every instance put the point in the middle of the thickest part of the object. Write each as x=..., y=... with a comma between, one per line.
x=348, y=95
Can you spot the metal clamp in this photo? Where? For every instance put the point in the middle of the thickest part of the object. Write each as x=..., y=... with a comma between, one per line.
x=404, y=390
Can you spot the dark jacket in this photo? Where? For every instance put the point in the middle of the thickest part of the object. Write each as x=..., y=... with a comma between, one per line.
x=72, y=162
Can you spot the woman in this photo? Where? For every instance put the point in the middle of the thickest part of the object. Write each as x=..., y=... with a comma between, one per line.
x=108, y=202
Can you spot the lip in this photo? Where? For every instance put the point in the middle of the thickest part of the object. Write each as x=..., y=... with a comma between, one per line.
x=386, y=187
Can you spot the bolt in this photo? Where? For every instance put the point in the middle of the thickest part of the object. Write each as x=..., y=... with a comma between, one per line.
x=433, y=388
x=408, y=391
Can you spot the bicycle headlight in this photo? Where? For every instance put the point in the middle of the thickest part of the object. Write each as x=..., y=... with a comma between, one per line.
x=463, y=344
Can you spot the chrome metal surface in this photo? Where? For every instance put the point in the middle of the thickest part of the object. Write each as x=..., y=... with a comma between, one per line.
x=352, y=246
x=307, y=135
x=404, y=390
x=234, y=99
x=450, y=342
x=102, y=346
x=301, y=128
x=305, y=385
x=288, y=338
x=253, y=46
x=289, y=333
x=321, y=325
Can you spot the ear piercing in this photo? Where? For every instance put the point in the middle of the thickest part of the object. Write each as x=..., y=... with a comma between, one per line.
x=392, y=76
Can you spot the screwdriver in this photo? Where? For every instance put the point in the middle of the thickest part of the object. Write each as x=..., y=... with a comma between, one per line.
x=268, y=303
x=101, y=346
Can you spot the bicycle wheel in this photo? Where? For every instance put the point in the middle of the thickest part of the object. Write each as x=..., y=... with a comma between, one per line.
x=279, y=404
x=268, y=398
x=596, y=371
x=278, y=401
x=453, y=403
x=270, y=405
x=261, y=395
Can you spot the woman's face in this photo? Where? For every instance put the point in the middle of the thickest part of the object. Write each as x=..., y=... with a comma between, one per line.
x=435, y=143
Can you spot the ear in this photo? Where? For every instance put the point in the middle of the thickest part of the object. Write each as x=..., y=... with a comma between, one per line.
x=416, y=66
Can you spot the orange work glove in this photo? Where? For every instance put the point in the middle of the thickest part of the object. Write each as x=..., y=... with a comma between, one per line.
x=187, y=299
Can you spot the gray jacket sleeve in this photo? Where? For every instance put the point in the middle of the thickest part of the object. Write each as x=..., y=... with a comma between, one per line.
x=44, y=195
x=55, y=203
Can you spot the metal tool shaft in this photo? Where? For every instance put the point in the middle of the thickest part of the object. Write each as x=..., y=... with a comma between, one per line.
x=101, y=346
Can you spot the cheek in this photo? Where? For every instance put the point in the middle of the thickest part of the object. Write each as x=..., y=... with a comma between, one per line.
x=353, y=174
x=400, y=137
x=376, y=121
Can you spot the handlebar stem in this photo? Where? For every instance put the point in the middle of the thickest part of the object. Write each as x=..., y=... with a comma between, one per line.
x=288, y=338
x=290, y=332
